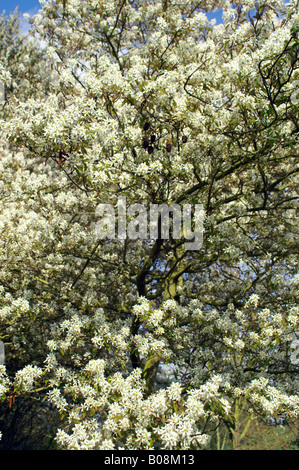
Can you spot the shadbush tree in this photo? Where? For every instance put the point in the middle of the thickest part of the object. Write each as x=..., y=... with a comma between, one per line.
x=144, y=343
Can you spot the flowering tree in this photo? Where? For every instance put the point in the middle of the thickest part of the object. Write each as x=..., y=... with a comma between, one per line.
x=143, y=343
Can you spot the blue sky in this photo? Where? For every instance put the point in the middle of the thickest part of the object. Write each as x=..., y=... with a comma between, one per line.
x=24, y=5
x=32, y=6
